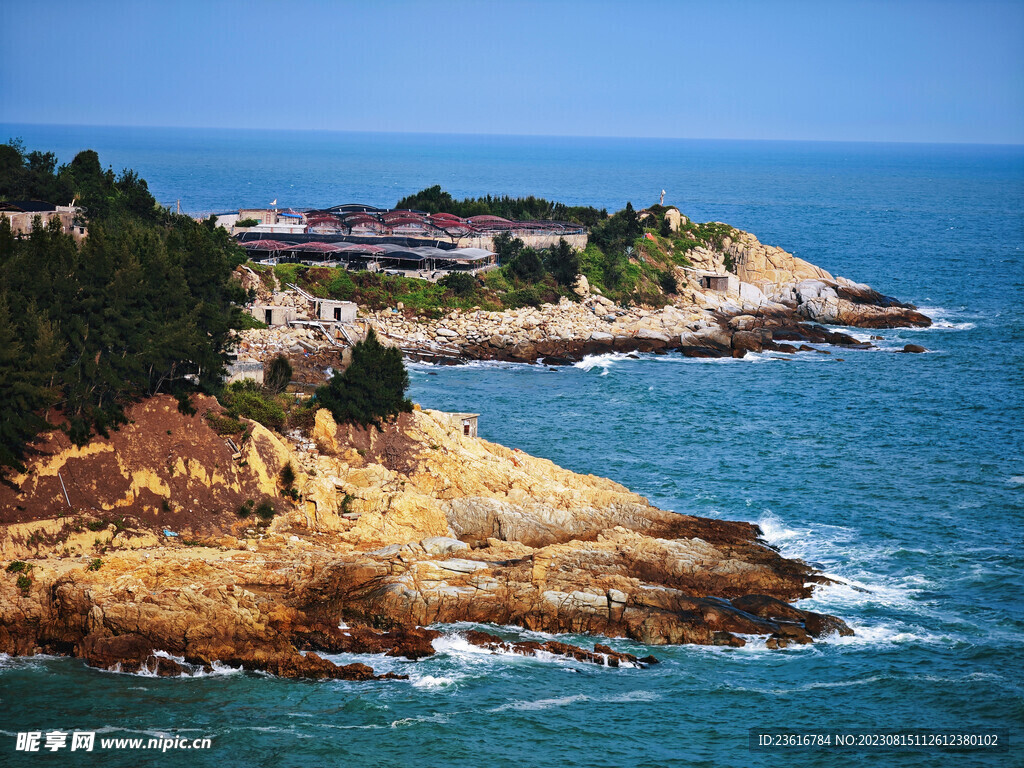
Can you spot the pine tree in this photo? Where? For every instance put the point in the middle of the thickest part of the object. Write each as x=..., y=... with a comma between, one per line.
x=24, y=392
x=371, y=389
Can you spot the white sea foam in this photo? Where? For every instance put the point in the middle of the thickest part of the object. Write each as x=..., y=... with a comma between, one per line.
x=456, y=646
x=944, y=320
x=437, y=717
x=1015, y=480
x=430, y=681
x=853, y=587
x=604, y=361
x=880, y=634
x=539, y=704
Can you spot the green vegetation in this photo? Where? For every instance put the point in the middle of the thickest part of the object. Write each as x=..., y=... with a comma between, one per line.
x=248, y=322
x=245, y=510
x=265, y=511
x=278, y=374
x=18, y=566
x=436, y=200
x=249, y=399
x=461, y=284
x=371, y=389
x=94, y=565
x=376, y=291
x=145, y=305
x=224, y=425
x=629, y=260
x=24, y=583
x=247, y=222
x=287, y=476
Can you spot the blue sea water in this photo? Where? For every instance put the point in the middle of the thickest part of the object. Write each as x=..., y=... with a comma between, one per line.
x=902, y=476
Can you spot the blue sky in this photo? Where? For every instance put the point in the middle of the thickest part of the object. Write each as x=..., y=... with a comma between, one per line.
x=861, y=71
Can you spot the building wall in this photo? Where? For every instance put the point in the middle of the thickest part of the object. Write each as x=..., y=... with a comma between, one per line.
x=21, y=223
x=326, y=311
x=530, y=240
x=245, y=369
x=279, y=315
x=464, y=424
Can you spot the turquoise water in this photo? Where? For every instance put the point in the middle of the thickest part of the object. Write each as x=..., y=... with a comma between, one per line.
x=901, y=475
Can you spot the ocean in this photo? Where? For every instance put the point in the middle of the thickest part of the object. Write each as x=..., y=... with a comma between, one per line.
x=901, y=476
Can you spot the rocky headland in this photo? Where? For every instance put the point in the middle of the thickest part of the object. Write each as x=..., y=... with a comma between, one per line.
x=136, y=551
x=767, y=300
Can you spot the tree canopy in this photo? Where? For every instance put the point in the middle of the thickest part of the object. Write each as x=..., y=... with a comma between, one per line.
x=146, y=304
x=436, y=200
x=372, y=388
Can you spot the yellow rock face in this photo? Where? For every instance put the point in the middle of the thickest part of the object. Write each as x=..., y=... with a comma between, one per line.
x=325, y=432
x=266, y=456
x=758, y=264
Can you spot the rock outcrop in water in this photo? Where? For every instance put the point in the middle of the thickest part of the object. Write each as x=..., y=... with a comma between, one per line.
x=393, y=530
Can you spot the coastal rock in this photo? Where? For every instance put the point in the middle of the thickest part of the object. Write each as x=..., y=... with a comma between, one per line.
x=675, y=219
x=399, y=528
x=325, y=432
x=832, y=310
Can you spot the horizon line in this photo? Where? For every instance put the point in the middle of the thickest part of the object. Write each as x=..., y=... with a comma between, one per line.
x=517, y=135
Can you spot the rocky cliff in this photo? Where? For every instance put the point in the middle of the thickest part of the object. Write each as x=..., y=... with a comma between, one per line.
x=383, y=531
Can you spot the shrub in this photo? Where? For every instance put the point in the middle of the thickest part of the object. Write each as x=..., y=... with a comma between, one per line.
x=523, y=297
x=287, y=476
x=245, y=511
x=247, y=222
x=371, y=389
x=95, y=564
x=563, y=262
x=246, y=398
x=223, y=424
x=18, y=566
x=265, y=511
x=527, y=266
x=277, y=375
x=507, y=248
x=668, y=283
x=24, y=583
x=302, y=418
x=247, y=322
x=459, y=283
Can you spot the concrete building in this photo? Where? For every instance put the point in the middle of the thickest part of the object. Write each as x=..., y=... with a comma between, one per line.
x=245, y=369
x=723, y=283
x=271, y=221
x=335, y=311
x=466, y=423
x=22, y=215
x=272, y=314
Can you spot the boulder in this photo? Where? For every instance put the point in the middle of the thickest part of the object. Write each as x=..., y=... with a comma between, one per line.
x=442, y=545
x=742, y=322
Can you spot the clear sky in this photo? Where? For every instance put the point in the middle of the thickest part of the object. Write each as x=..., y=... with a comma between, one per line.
x=896, y=70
